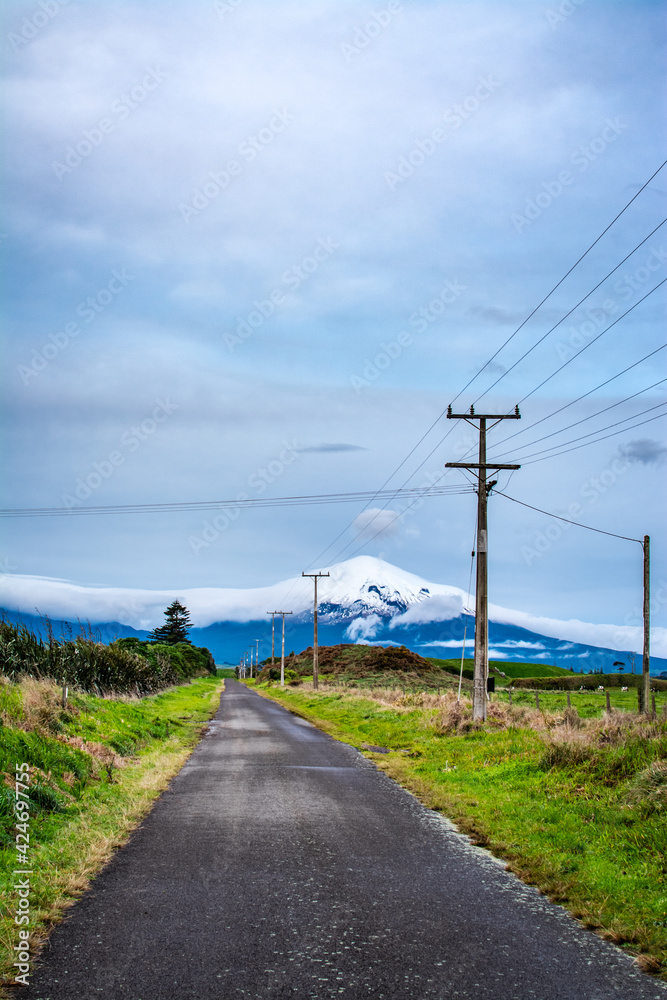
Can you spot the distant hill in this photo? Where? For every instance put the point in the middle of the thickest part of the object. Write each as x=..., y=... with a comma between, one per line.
x=395, y=664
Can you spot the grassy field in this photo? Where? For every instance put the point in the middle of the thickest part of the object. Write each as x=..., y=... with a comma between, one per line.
x=95, y=769
x=575, y=802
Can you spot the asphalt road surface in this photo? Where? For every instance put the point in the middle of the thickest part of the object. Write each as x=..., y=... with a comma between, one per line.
x=281, y=863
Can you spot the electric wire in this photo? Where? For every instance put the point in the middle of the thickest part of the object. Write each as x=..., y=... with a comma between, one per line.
x=587, y=443
x=593, y=341
x=566, y=275
x=563, y=318
x=579, y=398
x=583, y=420
x=211, y=505
x=558, y=517
x=625, y=420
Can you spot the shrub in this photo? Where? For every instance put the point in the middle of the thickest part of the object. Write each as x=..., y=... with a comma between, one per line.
x=124, y=666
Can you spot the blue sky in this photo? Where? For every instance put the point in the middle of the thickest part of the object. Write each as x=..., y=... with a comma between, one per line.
x=256, y=248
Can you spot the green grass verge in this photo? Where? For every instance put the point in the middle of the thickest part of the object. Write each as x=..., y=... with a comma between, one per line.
x=578, y=827
x=510, y=669
x=96, y=769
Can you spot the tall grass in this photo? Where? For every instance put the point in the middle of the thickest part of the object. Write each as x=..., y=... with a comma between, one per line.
x=125, y=666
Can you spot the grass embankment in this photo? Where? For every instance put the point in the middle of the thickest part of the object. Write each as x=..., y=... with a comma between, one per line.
x=574, y=801
x=504, y=671
x=96, y=767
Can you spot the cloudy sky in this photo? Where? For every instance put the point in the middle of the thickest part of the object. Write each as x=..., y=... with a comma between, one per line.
x=254, y=249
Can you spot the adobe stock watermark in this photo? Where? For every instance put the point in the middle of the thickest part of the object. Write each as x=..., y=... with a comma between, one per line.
x=33, y=24
x=591, y=491
x=454, y=117
x=248, y=150
x=419, y=320
x=225, y=7
x=597, y=318
x=292, y=279
x=562, y=12
x=121, y=108
x=367, y=32
x=258, y=482
x=22, y=872
x=582, y=157
x=87, y=311
x=130, y=441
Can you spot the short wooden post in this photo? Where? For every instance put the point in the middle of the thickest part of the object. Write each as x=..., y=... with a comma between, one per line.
x=569, y=702
x=608, y=702
x=639, y=700
x=64, y=698
x=537, y=701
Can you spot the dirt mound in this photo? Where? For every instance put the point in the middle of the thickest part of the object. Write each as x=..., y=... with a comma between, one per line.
x=359, y=661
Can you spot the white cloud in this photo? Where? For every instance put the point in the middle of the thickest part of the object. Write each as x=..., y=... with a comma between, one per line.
x=447, y=643
x=520, y=644
x=362, y=629
x=376, y=521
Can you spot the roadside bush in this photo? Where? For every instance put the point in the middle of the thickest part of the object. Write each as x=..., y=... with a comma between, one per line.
x=124, y=666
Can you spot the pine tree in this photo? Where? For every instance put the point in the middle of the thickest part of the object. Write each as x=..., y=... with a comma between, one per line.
x=176, y=626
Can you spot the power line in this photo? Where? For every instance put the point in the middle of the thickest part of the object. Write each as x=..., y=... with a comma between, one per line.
x=586, y=346
x=583, y=396
x=211, y=505
x=567, y=521
x=563, y=318
x=598, y=431
x=566, y=275
x=606, y=436
x=591, y=342
x=592, y=416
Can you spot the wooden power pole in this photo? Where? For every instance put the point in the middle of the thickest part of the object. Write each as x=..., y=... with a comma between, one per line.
x=273, y=633
x=315, y=577
x=282, y=648
x=646, y=658
x=482, y=578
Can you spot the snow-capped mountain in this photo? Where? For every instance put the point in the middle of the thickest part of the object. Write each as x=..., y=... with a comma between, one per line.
x=362, y=600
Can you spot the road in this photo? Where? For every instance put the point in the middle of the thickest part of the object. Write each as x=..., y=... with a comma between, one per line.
x=282, y=863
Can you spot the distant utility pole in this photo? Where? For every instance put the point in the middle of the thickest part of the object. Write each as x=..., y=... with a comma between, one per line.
x=257, y=657
x=646, y=657
x=482, y=578
x=315, y=577
x=273, y=634
x=282, y=648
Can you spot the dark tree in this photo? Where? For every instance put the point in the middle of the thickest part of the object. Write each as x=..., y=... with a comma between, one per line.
x=176, y=627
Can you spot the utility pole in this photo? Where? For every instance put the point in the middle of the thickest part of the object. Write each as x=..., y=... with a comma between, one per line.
x=315, y=577
x=646, y=658
x=273, y=634
x=257, y=657
x=482, y=577
x=282, y=648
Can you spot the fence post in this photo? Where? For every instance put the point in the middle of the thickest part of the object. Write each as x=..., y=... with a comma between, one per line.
x=537, y=700
x=64, y=698
x=608, y=703
x=569, y=703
